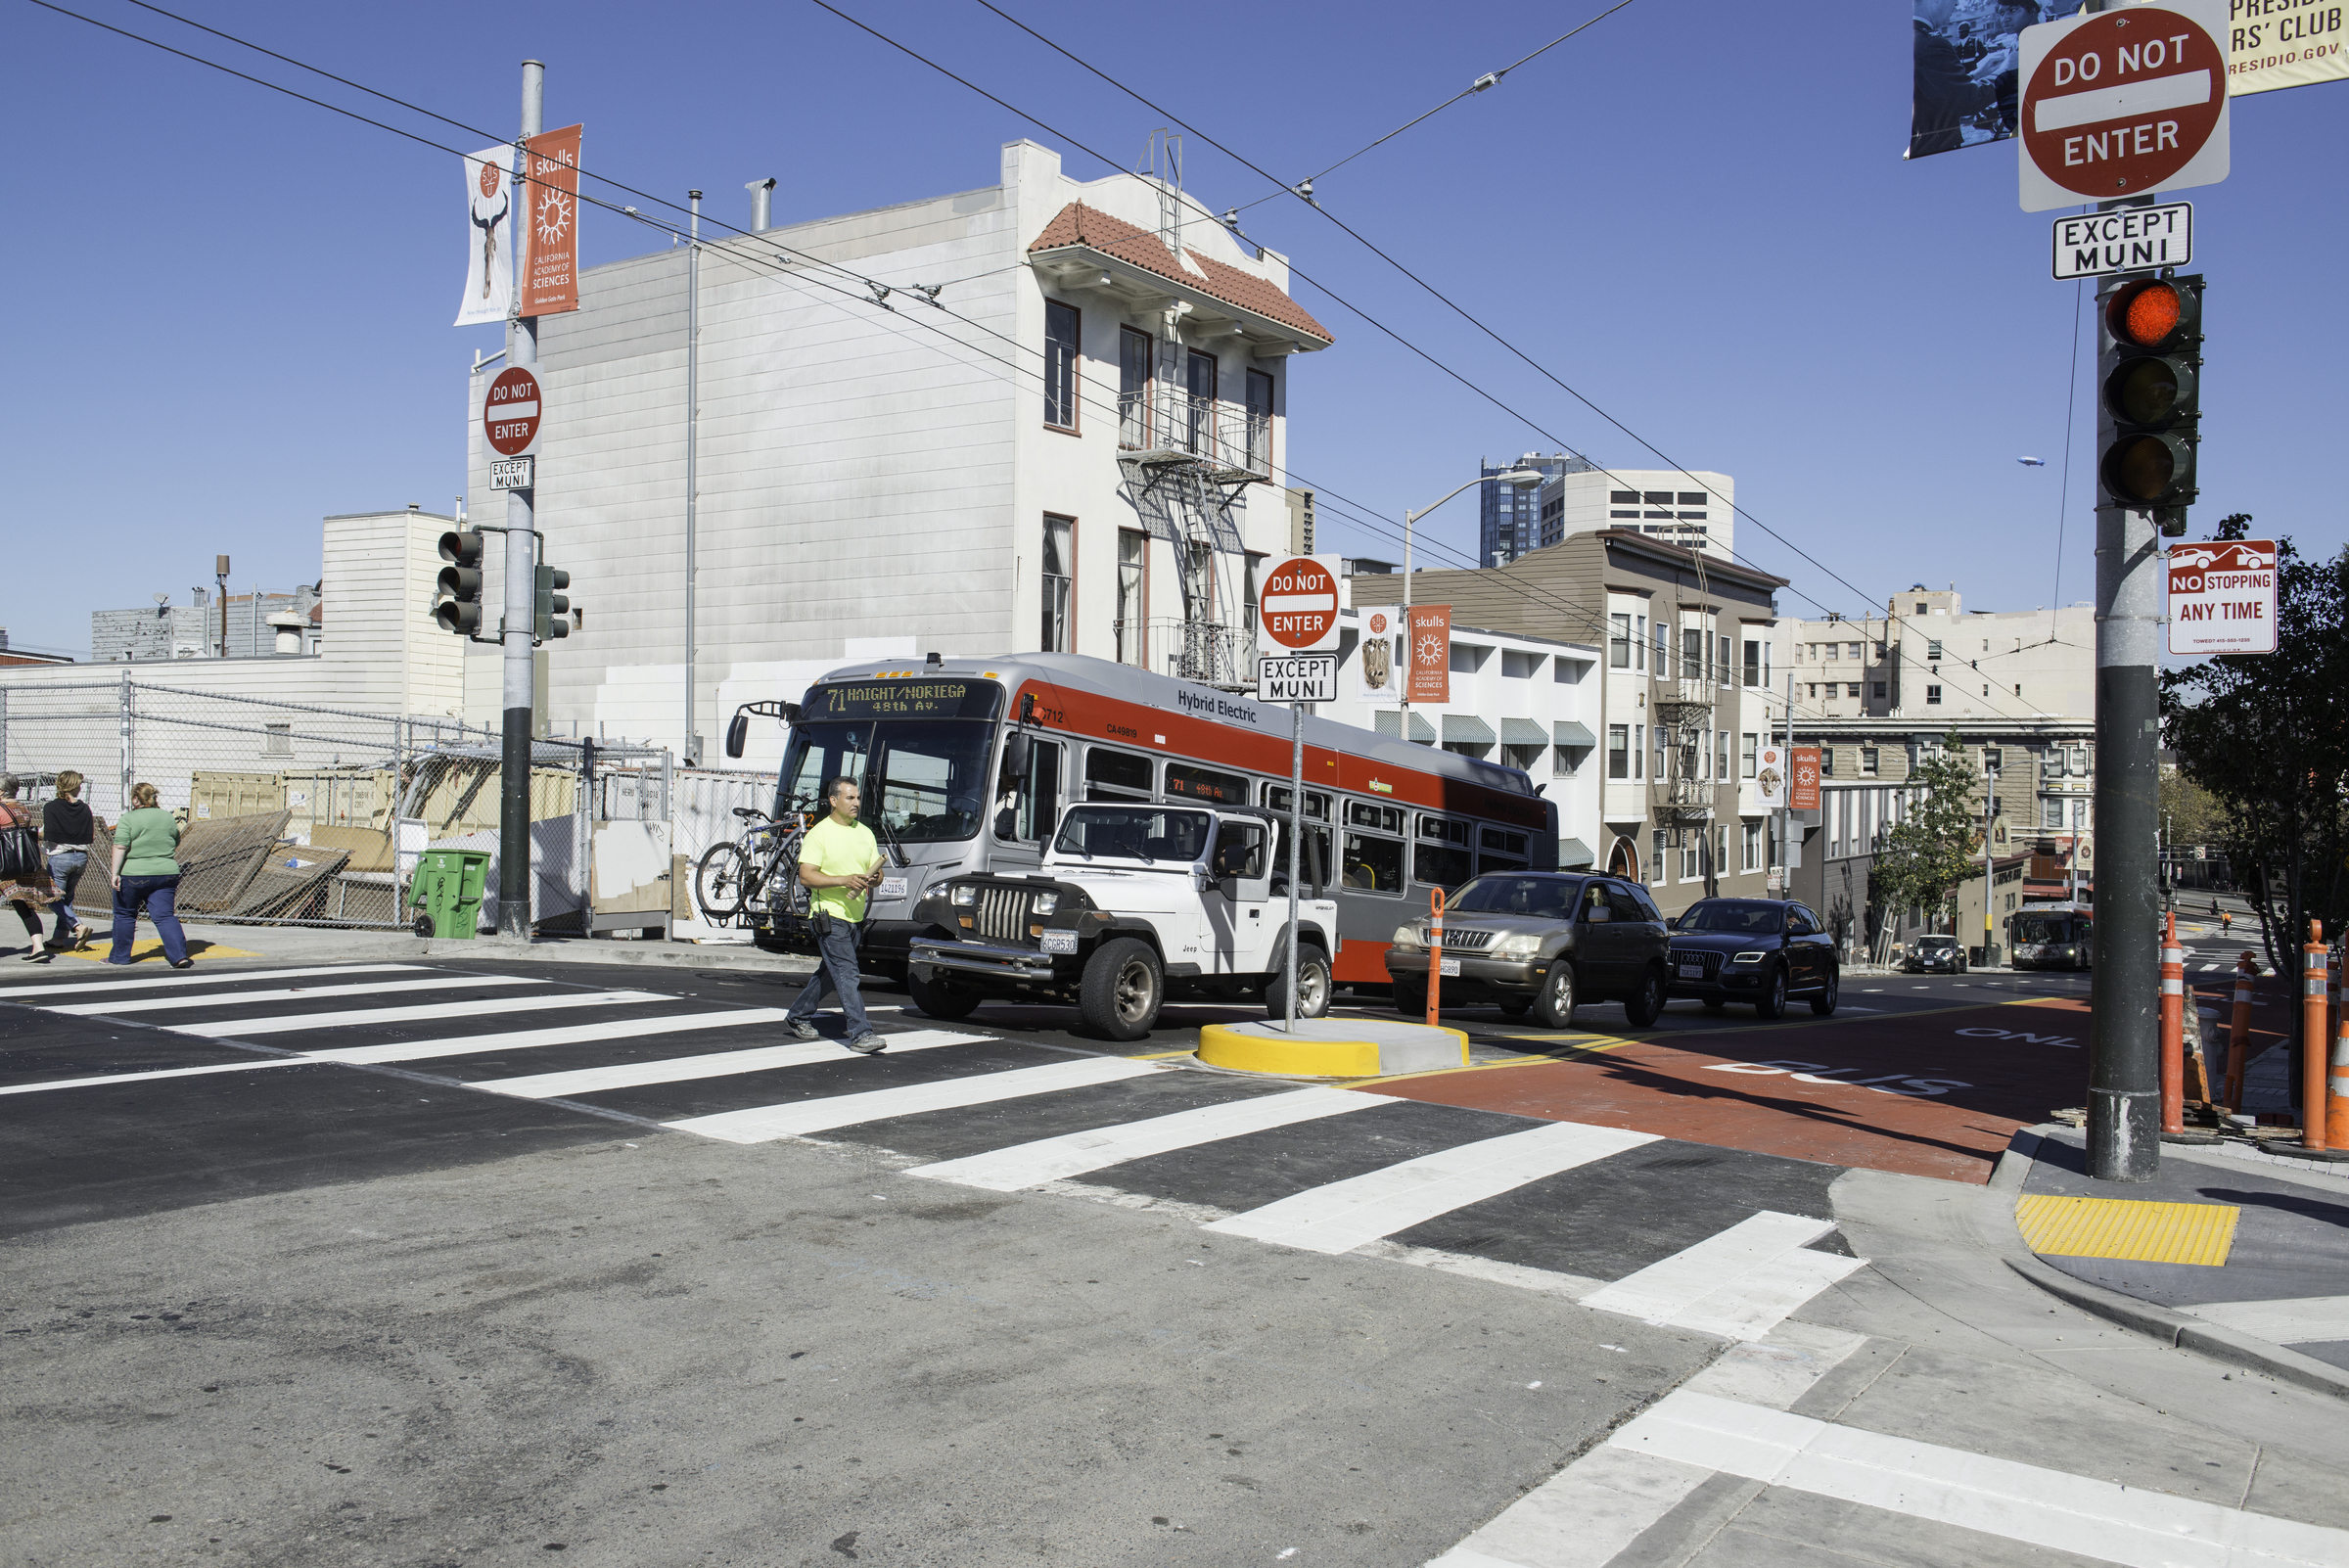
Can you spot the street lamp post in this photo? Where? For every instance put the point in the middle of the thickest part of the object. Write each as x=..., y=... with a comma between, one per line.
x=1522, y=478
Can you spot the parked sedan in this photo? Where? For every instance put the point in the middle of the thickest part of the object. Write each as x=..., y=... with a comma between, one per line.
x=1758, y=950
x=1935, y=955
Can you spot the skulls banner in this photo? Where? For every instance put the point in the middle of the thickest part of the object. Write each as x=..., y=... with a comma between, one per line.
x=489, y=239
x=550, y=282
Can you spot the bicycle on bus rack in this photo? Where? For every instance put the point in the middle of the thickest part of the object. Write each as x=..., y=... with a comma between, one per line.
x=732, y=877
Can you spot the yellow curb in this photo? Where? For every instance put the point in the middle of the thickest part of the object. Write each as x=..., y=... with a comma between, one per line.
x=1222, y=1045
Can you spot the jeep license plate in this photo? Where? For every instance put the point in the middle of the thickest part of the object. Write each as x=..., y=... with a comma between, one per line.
x=892, y=887
x=1447, y=967
x=1060, y=942
x=1692, y=971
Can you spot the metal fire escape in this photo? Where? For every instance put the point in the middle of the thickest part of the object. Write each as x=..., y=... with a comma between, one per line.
x=1681, y=707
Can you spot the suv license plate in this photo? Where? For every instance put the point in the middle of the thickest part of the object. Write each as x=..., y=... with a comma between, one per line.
x=1060, y=942
x=1692, y=971
x=1447, y=967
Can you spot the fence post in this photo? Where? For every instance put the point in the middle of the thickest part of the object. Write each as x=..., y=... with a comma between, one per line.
x=582, y=838
x=2314, y=1067
x=2173, y=1028
x=122, y=799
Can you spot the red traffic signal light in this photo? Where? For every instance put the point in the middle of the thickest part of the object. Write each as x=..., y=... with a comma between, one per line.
x=2150, y=377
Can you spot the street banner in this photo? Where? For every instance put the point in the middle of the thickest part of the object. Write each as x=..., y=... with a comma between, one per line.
x=2223, y=597
x=489, y=238
x=1770, y=776
x=1382, y=658
x=550, y=283
x=1802, y=778
x=2286, y=43
x=1431, y=653
x=1963, y=80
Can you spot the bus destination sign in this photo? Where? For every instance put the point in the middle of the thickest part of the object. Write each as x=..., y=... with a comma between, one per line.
x=903, y=699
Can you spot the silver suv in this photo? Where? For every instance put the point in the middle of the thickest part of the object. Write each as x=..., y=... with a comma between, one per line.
x=1542, y=941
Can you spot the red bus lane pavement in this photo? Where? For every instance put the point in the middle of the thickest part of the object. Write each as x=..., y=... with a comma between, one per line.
x=1934, y=1093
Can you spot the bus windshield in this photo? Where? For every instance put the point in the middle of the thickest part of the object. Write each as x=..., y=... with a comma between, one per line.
x=2064, y=927
x=923, y=778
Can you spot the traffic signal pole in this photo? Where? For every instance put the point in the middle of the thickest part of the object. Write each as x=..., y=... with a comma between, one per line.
x=522, y=583
x=2124, y=1095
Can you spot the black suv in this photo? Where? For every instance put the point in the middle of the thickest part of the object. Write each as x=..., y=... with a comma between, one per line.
x=1759, y=950
x=1541, y=942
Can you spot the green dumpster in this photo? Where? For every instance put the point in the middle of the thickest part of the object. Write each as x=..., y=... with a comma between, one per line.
x=446, y=894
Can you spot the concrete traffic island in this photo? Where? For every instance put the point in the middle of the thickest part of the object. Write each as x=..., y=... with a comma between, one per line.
x=1323, y=1047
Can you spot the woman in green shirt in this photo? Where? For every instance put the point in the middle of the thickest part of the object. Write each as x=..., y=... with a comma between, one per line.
x=146, y=876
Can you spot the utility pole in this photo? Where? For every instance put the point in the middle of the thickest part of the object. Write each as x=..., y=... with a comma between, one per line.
x=1786, y=798
x=693, y=446
x=2124, y=1069
x=1989, y=881
x=522, y=582
x=220, y=576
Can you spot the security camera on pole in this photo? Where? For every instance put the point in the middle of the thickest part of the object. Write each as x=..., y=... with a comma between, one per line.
x=2120, y=102
x=1296, y=642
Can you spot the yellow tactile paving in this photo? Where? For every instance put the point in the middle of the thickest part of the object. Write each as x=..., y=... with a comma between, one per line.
x=2129, y=1228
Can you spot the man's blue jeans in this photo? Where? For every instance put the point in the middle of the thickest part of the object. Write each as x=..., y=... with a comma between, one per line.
x=155, y=894
x=835, y=969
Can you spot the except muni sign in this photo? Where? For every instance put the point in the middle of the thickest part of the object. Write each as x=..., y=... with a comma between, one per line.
x=2136, y=239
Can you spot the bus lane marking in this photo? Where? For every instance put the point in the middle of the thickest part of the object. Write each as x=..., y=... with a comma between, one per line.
x=1821, y=1073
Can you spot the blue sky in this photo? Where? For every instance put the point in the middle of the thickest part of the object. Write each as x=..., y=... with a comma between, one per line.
x=233, y=306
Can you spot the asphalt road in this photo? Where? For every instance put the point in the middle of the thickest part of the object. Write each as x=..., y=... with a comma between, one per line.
x=479, y=1263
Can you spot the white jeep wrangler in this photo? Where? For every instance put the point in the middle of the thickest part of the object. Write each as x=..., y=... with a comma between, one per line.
x=1135, y=900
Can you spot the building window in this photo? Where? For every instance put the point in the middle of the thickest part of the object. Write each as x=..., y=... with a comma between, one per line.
x=1133, y=555
x=1655, y=858
x=1260, y=423
x=2050, y=810
x=1868, y=757
x=1854, y=690
x=1753, y=662
x=1747, y=745
x=1060, y=366
x=1720, y=849
x=1691, y=866
x=1619, y=645
x=1720, y=753
x=1618, y=750
x=1254, y=566
x=1133, y=388
x=1623, y=498
x=1753, y=845
x=1932, y=696
x=1993, y=757
x=1060, y=558
x=1932, y=651
x=1692, y=653
x=1832, y=650
x=1851, y=650
x=1639, y=642
x=278, y=741
x=1656, y=737
x=1879, y=691
x=1826, y=762
x=1199, y=431
x=1663, y=641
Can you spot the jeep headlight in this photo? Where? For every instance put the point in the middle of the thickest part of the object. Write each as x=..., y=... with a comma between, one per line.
x=1406, y=937
x=1047, y=902
x=1752, y=957
x=1521, y=944
x=965, y=894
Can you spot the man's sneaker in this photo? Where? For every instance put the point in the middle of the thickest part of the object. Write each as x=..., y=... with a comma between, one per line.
x=869, y=1043
x=802, y=1031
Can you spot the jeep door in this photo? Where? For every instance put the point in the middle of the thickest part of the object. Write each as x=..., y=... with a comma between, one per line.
x=1238, y=930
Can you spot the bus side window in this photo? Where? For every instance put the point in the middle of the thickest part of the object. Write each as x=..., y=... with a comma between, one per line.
x=1111, y=775
x=1373, y=865
x=1316, y=857
x=1026, y=808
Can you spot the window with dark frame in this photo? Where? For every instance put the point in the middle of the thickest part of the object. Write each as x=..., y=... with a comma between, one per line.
x=1060, y=562
x=1199, y=433
x=1135, y=350
x=1061, y=323
x=1133, y=547
x=1260, y=423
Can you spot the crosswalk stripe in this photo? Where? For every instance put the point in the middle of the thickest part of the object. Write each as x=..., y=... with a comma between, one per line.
x=716, y=1064
x=1344, y=1215
x=1738, y=1283
x=252, y=1065
x=761, y=1123
x=116, y=1009
x=176, y=981
x=1028, y=1165
x=521, y=1039
x=239, y=1028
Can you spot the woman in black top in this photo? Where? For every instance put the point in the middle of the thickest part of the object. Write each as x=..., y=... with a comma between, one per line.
x=67, y=828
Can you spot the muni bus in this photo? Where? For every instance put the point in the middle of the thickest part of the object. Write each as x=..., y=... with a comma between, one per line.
x=926, y=744
x=2053, y=936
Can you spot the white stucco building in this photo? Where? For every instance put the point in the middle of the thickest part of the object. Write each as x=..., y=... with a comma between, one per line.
x=1697, y=511
x=1078, y=447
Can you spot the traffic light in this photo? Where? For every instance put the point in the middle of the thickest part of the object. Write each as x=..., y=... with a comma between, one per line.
x=461, y=581
x=2150, y=372
x=552, y=611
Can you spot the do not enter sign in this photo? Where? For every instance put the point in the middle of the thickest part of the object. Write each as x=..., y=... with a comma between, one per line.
x=1297, y=606
x=2123, y=103
x=510, y=413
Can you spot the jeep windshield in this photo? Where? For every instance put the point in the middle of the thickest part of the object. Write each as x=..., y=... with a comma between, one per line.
x=924, y=778
x=1546, y=897
x=1150, y=833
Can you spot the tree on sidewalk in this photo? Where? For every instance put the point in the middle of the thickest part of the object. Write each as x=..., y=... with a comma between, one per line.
x=1937, y=843
x=2268, y=736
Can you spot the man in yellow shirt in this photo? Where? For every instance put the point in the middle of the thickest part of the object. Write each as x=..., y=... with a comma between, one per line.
x=840, y=861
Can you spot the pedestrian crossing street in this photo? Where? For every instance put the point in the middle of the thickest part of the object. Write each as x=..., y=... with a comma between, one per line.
x=1715, y=1240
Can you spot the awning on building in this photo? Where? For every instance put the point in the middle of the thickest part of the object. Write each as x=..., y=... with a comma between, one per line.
x=1522, y=732
x=1566, y=732
x=1574, y=855
x=1389, y=722
x=1469, y=728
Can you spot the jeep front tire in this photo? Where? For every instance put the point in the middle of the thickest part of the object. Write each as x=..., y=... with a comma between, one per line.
x=939, y=998
x=1123, y=986
x=1313, y=986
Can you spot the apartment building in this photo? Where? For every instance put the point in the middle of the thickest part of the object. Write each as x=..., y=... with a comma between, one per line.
x=1927, y=658
x=1086, y=455
x=1684, y=698
x=1697, y=511
x=1508, y=518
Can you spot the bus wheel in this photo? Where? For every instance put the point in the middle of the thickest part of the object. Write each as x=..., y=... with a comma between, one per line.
x=939, y=998
x=1123, y=986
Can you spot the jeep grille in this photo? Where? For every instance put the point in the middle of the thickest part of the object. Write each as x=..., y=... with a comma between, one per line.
x=1002, y=914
